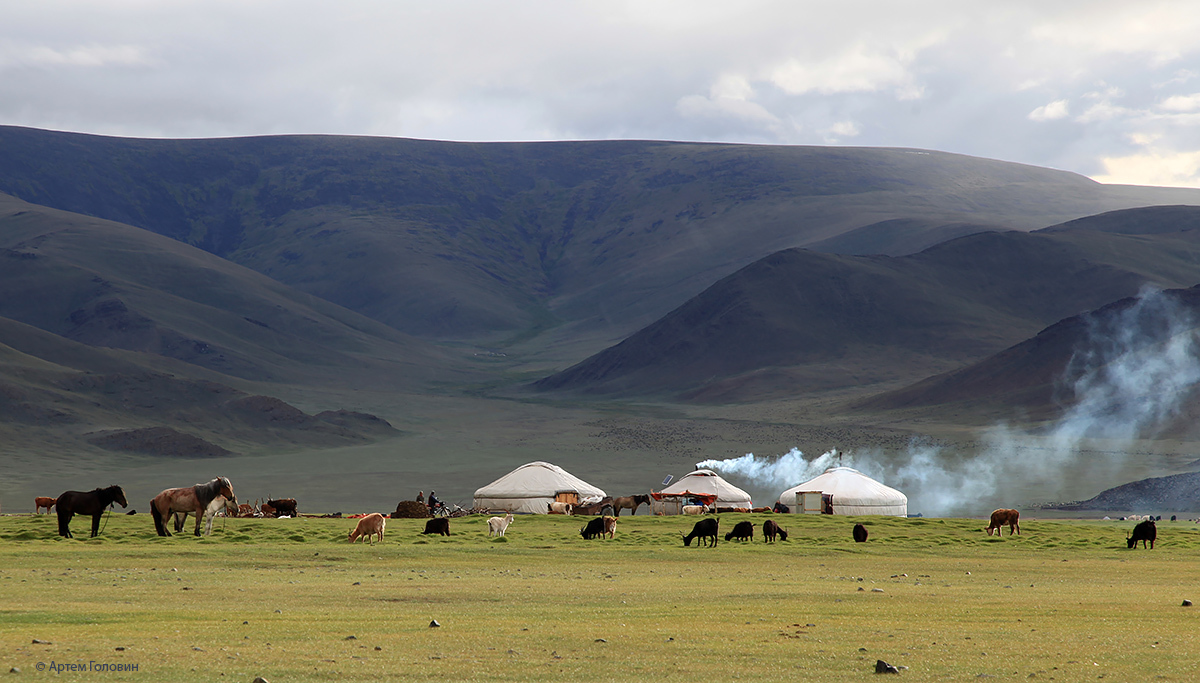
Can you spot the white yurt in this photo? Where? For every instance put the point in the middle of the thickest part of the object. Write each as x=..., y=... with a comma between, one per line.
x=531, y=487
x=704, y=485
x=845, y=491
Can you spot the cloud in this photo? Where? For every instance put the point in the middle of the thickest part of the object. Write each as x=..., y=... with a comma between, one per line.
x=1050, y=112
x=1163, y=168
x=859, y=69
x=1181, y=103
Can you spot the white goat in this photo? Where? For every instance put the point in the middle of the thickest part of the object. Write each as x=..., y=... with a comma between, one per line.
x=498, y=525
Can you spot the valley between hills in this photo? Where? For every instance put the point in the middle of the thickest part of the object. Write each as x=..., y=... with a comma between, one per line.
x=349, y=320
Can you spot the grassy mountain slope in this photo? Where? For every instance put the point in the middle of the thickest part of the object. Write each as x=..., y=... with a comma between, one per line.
x=111, y=285
x=825, y=321
x=574, y=245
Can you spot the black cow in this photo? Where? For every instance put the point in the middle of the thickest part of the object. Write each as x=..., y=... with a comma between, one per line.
x=1146, y=531
x=594, y=529
x=705, y=530
x=860, y=533
x=437, y=525
x=770, y=530
x=742, y=531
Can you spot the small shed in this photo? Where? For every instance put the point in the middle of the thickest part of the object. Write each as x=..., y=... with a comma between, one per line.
x=845, y=491
x=532, y=486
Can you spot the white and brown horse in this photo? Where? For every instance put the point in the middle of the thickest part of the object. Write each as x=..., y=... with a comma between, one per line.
x=201, y=500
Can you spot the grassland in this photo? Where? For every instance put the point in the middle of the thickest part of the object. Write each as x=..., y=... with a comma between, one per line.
x=291, y=600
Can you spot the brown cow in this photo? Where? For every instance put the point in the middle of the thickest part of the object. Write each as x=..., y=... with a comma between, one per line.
x=1002, y=517
x=43, y=502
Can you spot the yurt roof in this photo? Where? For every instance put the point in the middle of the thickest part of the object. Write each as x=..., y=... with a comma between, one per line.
x=849, y=487
x=537, y=479
x=706, y=482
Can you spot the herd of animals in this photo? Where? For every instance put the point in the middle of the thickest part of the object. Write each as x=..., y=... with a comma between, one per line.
x=204, y=501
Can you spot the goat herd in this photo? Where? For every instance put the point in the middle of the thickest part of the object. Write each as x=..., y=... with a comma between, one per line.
x=205, y=500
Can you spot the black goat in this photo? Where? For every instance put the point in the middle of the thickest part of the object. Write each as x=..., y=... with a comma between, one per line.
x=437, y=525
x=594, y=529
x=705, y=530
x=771, y=529
x=1146, y=531
x=742, y=531
x=860, y=533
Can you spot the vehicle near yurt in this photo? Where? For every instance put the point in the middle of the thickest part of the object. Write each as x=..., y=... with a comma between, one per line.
x=845, y=491
x=699, y=487
x=532, y=487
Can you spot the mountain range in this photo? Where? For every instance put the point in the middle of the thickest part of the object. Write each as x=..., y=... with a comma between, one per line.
x=228, y=298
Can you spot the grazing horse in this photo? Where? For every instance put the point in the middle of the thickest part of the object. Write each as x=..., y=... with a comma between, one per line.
x=201, y=500
x=42, y=502
x=1004, y=516
x=91, y=503
x=630, y=503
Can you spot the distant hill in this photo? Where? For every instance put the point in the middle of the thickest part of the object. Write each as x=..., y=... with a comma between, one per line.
x=555, y=249
x=820, y=321
x=1178, y=492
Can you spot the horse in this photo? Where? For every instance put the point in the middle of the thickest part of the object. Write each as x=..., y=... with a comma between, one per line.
x=629, y=502
x=202, y=500
x=42, y=502
x=91, y=503
x=231, y=510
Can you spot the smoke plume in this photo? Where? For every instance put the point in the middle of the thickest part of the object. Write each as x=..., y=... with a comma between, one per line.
x=1129, y=376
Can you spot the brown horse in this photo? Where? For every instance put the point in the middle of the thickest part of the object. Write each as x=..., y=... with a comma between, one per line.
x=91, y=503
x=43, y=502
x=629, y=503
x=1004, y=516
x=201, y=500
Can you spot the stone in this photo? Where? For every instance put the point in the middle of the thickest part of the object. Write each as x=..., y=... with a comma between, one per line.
x=434, y=624
x=882, y=667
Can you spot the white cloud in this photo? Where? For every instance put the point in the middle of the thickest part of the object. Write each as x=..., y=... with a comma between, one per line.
x=1162, y=168
x=1181, y=103
x=860, y=69
x=1050, y=112
x=88, y=56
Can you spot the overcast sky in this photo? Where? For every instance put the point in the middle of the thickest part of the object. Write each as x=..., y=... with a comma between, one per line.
x=1107, y=89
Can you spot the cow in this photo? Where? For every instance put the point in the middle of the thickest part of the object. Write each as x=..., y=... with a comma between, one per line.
x=498, y=525
x=771, y=530
x=705, y=530
x=368, y=527
x=742, y=531
x=593, y=529
x=1002, y=517
x=284, y=507
x=610, y=526
x=1145, y=531
x=695, y=509
x=860, y=533
x=437, y=525
x=559, y=508
x=43, y=502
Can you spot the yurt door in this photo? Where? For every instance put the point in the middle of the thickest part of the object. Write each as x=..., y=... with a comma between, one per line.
x=566, y=497
x=809, y=503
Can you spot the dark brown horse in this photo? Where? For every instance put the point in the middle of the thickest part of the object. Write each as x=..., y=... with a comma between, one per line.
x=92, y=503
x=201, y=500
x=629, y=503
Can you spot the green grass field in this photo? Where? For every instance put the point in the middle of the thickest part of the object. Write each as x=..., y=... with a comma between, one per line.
x=291, y=600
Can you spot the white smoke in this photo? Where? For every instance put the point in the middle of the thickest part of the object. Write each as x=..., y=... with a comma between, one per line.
x=1129, y=378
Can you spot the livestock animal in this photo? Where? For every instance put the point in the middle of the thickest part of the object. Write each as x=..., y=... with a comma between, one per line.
x=593, y=529
x=368, y=527
x=91, y=503
x=266, y=510
x=557, y=508
x=596, y=508
x=695, y=509
x=1002, y=517
x=610, y=526
x=630, y=503
x=284, y=507
x=245, y=510
x=437, y=525
x=202, y=500
x=43, y=502
x=706, y=530
x=498, y=525
x=771, y=529
x=780, y=507
x=742, y=531
x=230, y=510
x=860, y=533
x=1144, y=531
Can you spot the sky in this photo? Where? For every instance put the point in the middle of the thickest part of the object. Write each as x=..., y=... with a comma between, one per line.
x=1107, y=89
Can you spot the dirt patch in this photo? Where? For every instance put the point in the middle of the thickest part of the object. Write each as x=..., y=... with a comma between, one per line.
x=161, y=441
